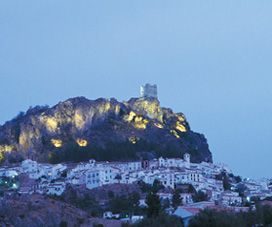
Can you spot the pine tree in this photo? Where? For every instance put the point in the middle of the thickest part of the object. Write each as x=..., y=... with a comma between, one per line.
x=176, y=200
x=154, y=205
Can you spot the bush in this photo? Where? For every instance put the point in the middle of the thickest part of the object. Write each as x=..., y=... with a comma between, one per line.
x=211, y=218
x=200, y=196
x=125, y=204
x=63, y=224
x=162, y=220
x=262, y=216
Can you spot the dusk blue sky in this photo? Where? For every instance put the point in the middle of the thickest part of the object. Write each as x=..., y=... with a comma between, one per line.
x=211, y=60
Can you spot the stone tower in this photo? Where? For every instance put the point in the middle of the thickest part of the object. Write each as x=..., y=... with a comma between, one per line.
x=186, y=157
x=149, y=91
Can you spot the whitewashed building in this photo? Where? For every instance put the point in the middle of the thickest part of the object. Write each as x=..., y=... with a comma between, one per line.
x=175, y=162
x=100, y=176
x=230, y=198
x=127, y=166
x=56, y=188
x=8, y=173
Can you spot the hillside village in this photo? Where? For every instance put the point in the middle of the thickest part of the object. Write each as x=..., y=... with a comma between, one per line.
x=197, y=185
x=171, y=173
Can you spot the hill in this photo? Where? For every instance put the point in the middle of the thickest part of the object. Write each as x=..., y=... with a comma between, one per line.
x=79, y=129
x=38, y=210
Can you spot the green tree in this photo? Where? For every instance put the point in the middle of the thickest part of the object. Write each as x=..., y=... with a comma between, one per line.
x=176, y=200
x=154, y=205
x=226, y=183
x=262, y=216
x=111, y=194
x=265, y=212
x=225, y=178
x=162, y=220
x=211, y=218
x=125, y=204
x=63, y=224
x=135, y=199
x=200, y=196
x=145, y=188
x=165, y=203
x=241, y=188
x=157, y=185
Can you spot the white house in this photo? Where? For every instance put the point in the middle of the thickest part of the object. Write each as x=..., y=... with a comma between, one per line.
x=189, y=177
x=171, y=162
x=127, y=166
x=110, y=215
x=35, y=170
x=230, y=198
x=31, y=168
x=167, y=179
x=165, y=196
x=175, y=162
x=57, y=170
x=8, y=173
x=56, y=188
x=186, y=198
x=100, y=176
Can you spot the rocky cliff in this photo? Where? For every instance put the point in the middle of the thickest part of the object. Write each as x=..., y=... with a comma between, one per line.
x=79, y=129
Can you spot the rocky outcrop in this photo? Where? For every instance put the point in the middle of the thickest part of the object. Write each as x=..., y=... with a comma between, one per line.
x=102, y=129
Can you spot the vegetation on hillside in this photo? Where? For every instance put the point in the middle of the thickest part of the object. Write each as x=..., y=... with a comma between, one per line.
x=113, y=152
x=262, y=216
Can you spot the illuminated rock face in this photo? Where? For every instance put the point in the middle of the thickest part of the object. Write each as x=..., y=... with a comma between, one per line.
x=175, y=133
x=5, y=149
x=133, y=139
x=129, y=117
x=141, y=124
x=158, y=125
x=181, y=118
x=28, y=136
x=56, y=143
x=23, y=140
x=79, y=120
x=50, y=123
x=97, y=123
x=137, y=121
x=82, y=142
x=149, y=107
x=180, y=127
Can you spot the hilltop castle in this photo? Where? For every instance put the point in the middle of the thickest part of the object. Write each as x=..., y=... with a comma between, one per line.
x=149, y=91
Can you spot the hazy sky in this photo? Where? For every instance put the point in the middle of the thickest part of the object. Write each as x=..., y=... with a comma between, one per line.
x=210, y=59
